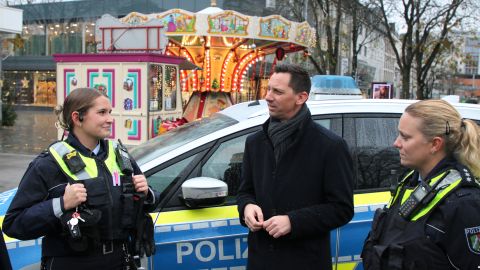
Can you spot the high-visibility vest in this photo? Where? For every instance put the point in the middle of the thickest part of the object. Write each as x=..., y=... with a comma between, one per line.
x=60, y=149
x=449, y=180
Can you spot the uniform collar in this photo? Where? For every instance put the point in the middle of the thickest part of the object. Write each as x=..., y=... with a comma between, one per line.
x=75, y=143
x=443, y=165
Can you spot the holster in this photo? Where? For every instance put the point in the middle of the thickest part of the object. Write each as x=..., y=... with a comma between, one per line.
x=132, y=203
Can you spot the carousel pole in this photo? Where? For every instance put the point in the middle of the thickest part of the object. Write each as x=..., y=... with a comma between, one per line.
x=260, y=75
x=213, y=3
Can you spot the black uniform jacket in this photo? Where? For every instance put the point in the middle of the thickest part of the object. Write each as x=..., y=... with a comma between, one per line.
x=31, y=213
x=454, y=225
x=312, y=184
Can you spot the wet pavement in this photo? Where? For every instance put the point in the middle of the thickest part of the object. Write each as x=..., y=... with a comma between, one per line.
x=33, y=132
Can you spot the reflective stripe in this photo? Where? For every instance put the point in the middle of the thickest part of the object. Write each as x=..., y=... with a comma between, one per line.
x=111, y=160
x=446, y=185
x=399, y=187
x=59, y=149
x=57, y=207
x=187, y=216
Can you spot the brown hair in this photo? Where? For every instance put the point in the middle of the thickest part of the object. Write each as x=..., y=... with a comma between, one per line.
x=80, y=100
x=299, y=78
x=462, y=136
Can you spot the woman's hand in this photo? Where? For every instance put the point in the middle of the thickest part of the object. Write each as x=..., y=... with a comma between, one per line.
x=74, y=195
x=140, y=183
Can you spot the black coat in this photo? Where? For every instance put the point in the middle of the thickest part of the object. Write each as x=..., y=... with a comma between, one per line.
x=312, y=184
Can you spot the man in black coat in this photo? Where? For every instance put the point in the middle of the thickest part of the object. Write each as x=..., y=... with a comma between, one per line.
x=297, y=182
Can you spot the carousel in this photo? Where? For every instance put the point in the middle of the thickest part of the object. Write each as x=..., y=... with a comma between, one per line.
x=229, y=50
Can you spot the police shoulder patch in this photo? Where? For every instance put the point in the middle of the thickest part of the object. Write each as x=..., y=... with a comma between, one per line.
x=473, y=239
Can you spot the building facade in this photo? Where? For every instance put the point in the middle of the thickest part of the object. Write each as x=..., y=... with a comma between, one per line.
x=69, y=27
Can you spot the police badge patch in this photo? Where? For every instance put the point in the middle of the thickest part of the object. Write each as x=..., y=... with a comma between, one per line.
x=473, y=239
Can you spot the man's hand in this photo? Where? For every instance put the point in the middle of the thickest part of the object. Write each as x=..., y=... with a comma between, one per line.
x=278, y=226
x=140, y=183
x=253, y=217
x=74, y=195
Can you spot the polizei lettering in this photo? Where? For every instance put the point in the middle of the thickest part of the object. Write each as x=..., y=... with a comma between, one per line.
x=206, y=251
x=473, y=230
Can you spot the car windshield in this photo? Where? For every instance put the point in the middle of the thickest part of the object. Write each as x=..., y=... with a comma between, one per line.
x=179, y=136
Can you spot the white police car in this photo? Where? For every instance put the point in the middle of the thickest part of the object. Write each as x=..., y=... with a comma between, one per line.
x=199, y=164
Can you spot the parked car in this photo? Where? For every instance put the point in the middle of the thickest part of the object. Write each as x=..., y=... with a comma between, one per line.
x=334, y=87
x=207, y=155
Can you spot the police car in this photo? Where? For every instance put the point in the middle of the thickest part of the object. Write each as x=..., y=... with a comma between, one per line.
x=197, y=169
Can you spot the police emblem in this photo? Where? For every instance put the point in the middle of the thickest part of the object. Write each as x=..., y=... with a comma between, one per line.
x=473, y=239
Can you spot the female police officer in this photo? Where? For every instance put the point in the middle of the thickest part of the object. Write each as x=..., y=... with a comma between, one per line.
x=80, y=195
x=433, y=218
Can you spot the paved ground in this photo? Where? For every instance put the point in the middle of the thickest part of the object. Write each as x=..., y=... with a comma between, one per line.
x=34, y=131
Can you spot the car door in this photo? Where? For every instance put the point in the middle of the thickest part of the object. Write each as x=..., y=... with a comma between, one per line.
x=376, y=168
x=203, y=238
x=332, y=122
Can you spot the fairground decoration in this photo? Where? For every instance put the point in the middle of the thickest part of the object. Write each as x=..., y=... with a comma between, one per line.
x=304, y=34
x=229, y=48
x=227, y=23
x=135, y=18
x=178, y=21
x=274, y=27
x=149, y=65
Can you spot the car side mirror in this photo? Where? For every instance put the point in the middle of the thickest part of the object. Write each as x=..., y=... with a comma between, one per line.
x=201, y=192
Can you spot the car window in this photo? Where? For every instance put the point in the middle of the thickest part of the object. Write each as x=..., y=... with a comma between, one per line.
x=380, y=132
x=226, y=163
x=162, y=179
x=376, y=161
x=333, y=123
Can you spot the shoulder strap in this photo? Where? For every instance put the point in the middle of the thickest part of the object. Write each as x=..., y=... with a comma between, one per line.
x=443, y=188
x=60, y=149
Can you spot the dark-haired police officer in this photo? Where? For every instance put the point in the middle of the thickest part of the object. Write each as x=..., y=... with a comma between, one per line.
x=85, y=195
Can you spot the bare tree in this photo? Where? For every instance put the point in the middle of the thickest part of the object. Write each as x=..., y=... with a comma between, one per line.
x=428, y=24
x=366, y=28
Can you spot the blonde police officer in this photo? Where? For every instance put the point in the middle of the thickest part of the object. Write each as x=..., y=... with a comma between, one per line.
x=433, y=219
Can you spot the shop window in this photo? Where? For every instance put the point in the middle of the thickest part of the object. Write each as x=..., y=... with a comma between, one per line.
x=155, y=80
x=170, y=88
x=31, y=42
x=90, y=44
x=30, y=88
x=45, y=85
x=65, y=37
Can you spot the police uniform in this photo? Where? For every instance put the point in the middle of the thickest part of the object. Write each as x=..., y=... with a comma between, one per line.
x=37, y=208
x=443, y=233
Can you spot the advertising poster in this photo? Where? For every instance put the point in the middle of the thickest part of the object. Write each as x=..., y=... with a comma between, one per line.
x=382, y=90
